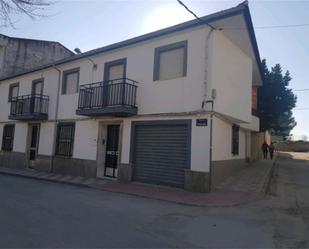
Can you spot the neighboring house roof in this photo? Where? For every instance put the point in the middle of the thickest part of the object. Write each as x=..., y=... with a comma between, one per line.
x=36, y=40
x=241, y=9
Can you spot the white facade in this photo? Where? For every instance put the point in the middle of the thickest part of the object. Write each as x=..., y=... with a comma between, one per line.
x=217, y=69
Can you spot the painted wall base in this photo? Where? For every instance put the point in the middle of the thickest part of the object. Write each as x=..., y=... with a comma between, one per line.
x=125, y=172
x=75, y=167
x=225, y=168
x=16, y=160
x=196, y=181
x=42, y=163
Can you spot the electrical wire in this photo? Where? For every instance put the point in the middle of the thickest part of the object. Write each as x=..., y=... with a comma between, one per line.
x=269, y=27
x=238, y=28
x=198, y=18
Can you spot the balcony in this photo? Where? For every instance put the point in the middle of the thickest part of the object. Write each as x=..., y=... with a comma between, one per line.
x=29, y=107
x=108, y=98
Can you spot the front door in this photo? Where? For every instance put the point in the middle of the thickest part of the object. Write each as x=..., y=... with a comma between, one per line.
x=34, y=142
x=112, y=152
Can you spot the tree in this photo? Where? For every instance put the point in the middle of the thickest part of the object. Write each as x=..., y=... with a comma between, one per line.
x=276, y=101
x=31, y=8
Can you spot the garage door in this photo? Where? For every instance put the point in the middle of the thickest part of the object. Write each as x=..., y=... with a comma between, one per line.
x=161, y=152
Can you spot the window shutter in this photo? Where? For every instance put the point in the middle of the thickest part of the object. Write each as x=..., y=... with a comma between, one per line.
x=171, y=64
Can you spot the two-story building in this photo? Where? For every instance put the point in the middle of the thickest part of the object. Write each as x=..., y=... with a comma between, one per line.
x=172, y=107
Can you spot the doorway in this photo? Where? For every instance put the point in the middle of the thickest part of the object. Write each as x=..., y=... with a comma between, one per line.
x=108, y=150
x=113, y=87
x=34, y=134
x=112, y=151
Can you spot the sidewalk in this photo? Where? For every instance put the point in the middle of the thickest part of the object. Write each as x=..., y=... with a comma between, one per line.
x=255, y=178
x=248, y=185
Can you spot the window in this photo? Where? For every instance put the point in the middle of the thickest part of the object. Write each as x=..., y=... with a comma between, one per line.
x=8, y=137
x=70, y=81
x=65, y=139
x=235, y=139
x=13, y=91
x=170, y=61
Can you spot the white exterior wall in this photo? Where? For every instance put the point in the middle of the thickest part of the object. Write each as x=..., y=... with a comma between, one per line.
x=199, y=141
x=230, y=73
x=166, y=96
x=254, y=125
x=222, y=141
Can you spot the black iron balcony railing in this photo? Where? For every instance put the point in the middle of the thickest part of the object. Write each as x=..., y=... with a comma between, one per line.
x=29, y=107
x=114, y=97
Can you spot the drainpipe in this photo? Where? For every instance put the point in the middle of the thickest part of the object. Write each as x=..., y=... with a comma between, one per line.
x=206, y=66
x=205, y=101
x=51, y=168
x=210, y=141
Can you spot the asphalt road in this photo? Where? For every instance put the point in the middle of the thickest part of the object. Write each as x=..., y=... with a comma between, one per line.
x=40, y=214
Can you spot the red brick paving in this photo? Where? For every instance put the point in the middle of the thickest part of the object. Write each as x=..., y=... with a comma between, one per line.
x=216, y=198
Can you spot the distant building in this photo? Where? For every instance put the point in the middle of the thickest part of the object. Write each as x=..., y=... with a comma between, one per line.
x=18, y=54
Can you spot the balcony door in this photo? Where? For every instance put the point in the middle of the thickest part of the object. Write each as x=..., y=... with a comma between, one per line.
x=37, y=91
x=114, y=74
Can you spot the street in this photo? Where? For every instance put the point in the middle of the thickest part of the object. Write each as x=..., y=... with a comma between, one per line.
x=40, y=214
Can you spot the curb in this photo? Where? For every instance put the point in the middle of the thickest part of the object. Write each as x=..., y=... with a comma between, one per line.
x=101, y=188
x=45, y=179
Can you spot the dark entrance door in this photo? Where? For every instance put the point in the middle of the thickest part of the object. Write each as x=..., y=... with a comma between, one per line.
x=34, y=141
x=112, y=152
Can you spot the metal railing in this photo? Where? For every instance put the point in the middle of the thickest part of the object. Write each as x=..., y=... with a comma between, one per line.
x=118, y=92
x=29, y=104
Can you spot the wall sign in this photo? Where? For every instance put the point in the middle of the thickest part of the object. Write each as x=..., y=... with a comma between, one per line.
x=201, y=122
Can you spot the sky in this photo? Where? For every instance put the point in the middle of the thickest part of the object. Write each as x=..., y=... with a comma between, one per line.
x=89, y=24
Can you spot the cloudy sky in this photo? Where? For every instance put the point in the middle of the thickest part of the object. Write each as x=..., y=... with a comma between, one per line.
x=89, y=24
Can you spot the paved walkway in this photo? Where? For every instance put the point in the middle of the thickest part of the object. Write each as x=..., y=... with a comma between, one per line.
x=252, y=179
x=248, y=185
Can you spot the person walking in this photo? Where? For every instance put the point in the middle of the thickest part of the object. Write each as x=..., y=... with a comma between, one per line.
x=265, y=149
x=271, y=149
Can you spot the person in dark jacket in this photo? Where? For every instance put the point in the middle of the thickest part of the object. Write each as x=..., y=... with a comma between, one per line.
x=271, y=149
x=265, y=149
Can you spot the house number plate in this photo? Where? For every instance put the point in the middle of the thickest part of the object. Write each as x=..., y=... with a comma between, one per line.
x=201, y=122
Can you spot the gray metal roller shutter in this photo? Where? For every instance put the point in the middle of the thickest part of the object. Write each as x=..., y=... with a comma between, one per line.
x=161, y=154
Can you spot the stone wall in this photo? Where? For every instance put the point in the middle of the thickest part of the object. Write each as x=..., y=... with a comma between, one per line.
x=17, y=55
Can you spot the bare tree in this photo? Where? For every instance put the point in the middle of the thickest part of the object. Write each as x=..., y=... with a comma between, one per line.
x=31, y=8
x=304, y=138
